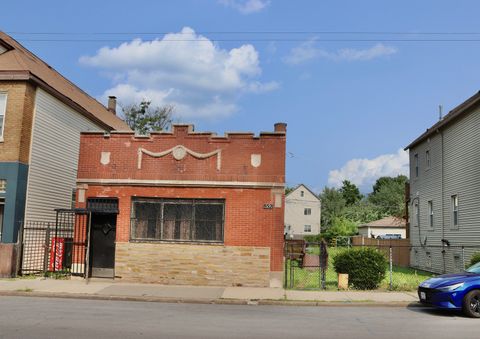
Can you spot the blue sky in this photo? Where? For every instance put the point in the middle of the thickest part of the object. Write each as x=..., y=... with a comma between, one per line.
x=342, y=100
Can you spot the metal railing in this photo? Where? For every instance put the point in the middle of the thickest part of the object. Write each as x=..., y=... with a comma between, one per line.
x=407, y=266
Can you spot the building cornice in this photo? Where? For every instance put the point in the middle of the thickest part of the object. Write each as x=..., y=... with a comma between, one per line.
x=179, y=183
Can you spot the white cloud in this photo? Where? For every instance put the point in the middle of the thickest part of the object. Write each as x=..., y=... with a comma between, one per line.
x=184, y=69
x=364, y=172
x=376, y=51
x=308, y=50
x=246, y=6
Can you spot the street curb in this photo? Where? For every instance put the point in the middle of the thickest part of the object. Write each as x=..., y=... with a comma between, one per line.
x=220, y=301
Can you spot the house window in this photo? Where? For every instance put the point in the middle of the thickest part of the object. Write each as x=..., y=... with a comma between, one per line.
x=417, y=213
x=3, y=107
x=191, y=220
x=416, y=165
x=455, y=211
x=427, y=159
x=3, y=185
x=430, y=213
x=307, y=211
x=302, y=194
x=307, y=228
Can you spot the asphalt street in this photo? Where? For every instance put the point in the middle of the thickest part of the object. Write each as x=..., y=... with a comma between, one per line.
x=28, y=317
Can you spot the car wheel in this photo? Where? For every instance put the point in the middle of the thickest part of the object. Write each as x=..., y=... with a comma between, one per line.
x=471, y=304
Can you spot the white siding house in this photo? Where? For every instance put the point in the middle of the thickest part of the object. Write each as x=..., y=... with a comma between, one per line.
x=54, y=156
x=386, y=227
x=40, y=127
x=302, y=213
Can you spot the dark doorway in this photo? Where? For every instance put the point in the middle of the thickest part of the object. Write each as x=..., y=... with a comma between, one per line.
x=102, y=245
x=102, y=236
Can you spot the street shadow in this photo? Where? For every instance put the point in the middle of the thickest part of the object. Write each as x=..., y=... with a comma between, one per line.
x=414, y=307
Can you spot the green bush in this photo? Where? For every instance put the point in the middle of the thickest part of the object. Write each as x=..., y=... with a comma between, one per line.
x=475, y=258
x=366, y=267
x=313, y=238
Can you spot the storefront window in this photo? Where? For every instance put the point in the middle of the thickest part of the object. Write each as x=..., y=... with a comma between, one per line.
x=177, y=220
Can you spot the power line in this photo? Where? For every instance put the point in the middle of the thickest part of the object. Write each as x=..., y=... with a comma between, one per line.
x=248, y=32
x=254, y=40
x=255, y=36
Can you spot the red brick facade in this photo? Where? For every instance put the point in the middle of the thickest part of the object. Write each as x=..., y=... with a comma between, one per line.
x=248, y=172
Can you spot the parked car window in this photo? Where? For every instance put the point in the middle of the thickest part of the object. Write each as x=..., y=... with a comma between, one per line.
x=474, y=269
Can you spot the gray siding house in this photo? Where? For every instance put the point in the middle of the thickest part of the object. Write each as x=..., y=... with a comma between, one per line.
x=444, y=205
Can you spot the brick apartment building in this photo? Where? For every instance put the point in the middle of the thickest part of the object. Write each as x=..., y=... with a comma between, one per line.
x=184, y=207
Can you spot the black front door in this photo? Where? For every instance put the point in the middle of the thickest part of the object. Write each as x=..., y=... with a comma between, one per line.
x=102, y=245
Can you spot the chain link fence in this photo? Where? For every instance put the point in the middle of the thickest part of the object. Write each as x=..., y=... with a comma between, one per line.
x=407, y=265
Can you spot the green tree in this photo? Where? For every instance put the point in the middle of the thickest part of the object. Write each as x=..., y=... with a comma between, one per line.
x=143, y=118
x=382, y=181
x=288, y=189
x=389, y=195
x=333, y=205
x=341, y=227
x=350, y=193
x=363, y=212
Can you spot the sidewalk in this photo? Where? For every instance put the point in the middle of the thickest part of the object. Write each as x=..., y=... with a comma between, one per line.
x=113, y=290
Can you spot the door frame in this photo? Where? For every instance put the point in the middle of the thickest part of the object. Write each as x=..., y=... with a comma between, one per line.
x=92, y=246
x=101, y=206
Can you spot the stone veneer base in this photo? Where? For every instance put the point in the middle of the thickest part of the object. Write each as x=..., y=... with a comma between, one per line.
x=191, y=264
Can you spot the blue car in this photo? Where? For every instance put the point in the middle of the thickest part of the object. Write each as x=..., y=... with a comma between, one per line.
x=459, y=291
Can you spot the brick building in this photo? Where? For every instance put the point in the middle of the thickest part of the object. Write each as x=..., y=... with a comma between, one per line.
x=184, y=207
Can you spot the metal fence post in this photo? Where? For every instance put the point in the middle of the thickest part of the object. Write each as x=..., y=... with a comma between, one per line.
x=391, y=268
x=292, y=274
x=46, y=250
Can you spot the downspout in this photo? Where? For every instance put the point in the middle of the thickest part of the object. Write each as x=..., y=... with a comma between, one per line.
x=406, y=214
x=442, y=200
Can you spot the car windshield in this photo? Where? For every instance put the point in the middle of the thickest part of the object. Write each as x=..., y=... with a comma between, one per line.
x=474, y=269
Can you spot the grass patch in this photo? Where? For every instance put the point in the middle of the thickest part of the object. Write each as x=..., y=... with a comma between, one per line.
x=59, y=275
x=26, y=289
x=27, y=277
x=403, y=278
